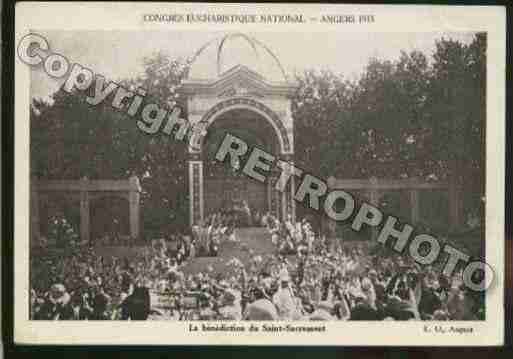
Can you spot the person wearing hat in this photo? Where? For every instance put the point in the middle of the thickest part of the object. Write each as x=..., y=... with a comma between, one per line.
x=402, y=303
x=368, y=289
x=379, y=287
x=57, y=305
x=429, y=301
x=100, y=301
x=137, y=305
x=284, y=299
x=264, y=284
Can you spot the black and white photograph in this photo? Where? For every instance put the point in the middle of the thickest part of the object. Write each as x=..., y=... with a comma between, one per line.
x=199, y=170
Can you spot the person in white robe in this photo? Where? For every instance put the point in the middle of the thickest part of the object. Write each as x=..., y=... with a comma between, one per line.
x=285, y=300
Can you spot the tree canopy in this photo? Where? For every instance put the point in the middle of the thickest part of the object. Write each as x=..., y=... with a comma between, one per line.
x=412, y=117
x=420, y=116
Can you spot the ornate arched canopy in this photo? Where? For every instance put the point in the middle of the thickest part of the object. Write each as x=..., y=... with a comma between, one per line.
x=248, y=104
x=214, y=90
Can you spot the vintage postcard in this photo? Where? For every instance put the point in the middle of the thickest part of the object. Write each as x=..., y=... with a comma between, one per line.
x=259, y=174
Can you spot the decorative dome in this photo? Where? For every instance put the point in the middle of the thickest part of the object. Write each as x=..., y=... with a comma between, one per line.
x=222, y=54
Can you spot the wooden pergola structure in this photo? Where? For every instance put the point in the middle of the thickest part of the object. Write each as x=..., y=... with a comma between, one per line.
x=375, y=188
x=85, y=190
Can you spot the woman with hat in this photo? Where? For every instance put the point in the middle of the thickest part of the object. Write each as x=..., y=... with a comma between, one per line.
x=57, y=305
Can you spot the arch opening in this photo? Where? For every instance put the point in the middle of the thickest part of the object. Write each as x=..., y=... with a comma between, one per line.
x=265, y=114
x=227, y=189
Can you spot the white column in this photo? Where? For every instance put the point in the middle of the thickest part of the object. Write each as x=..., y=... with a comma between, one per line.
x=134, y=199
x=284, y=199
x=134, y=214
x=196, y=200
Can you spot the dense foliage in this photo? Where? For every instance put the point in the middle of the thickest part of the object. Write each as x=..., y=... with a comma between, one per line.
x=418, y=116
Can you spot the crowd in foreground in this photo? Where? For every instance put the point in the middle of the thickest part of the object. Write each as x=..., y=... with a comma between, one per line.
x=307, y=278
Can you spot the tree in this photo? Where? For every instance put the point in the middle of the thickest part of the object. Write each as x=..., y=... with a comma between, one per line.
x=71, y=139
x=456, y=114
x=369, y=127
x=411, y=117
x=319, y=108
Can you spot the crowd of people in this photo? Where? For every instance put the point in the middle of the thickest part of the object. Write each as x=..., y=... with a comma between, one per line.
x=306, y=278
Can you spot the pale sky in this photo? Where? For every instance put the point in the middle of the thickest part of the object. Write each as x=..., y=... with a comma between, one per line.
x=118, y=54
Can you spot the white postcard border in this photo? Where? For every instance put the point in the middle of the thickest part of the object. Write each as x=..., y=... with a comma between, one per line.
x=128, y=16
